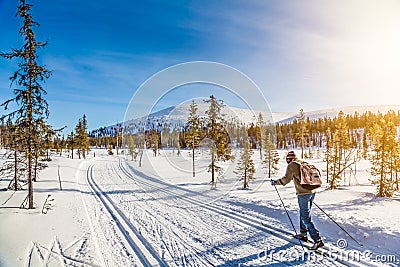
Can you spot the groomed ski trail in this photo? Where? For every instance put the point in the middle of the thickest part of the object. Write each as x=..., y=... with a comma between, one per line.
x=174, y=226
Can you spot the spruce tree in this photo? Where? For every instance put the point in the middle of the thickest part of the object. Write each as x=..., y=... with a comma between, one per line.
x=365, y=144
x=48, y=134
x=81, y=138
x=245, y=167
x=33, y=108
x=385, y=152
x=14, y=165
x=193, y=133
x=220, y=150
x=271, y=156
x=131, y=146
x=71, y=143
x=342, y=154
x=260, y=133
x=302, y=130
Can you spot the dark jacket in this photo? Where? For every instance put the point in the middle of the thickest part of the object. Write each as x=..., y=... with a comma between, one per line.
x=293, y=173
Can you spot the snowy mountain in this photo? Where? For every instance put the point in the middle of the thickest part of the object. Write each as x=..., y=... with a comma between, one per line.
x=177, y=115
x=181, y=112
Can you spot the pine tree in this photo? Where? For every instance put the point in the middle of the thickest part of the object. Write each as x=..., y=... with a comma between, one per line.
x=342, y=155
x=71, y=143
x=385, y=151
x=302, y=130
x=131, y=146
x=220, y=150
x=365, y=144
x=48, y=134
x=178, y=153
x=193, y=133
x=245, y=167
x=81, y=138
x=165, y=135
x=260, y=133
x=14, y=165
x=29, y=92
x=328, y=154
x=271, y=157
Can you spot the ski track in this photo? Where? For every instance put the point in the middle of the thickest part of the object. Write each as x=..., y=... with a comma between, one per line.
x=214, y=240
x=166, y=233
x=133, y=243
x=180, y=227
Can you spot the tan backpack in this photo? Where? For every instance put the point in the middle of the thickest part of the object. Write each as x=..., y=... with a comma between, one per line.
x=310, y=176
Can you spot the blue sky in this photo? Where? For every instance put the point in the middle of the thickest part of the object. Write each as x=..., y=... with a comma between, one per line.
x=302, y=54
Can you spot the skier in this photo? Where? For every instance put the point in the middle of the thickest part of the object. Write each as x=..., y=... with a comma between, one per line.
x=305, y=199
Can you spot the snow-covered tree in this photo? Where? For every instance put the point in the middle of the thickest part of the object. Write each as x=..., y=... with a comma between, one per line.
x=29, y=94
x=193, y=132
x=245, y=166
x=220, y=150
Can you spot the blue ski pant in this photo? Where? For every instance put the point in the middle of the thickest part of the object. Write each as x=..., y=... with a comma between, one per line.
x=306, y=225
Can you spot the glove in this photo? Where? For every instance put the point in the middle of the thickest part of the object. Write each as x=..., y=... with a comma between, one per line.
x=274, y=182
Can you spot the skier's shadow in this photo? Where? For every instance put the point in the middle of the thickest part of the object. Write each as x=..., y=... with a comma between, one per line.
x=266, y=259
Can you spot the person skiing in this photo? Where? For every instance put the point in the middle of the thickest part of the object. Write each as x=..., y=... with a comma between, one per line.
x=305, y=199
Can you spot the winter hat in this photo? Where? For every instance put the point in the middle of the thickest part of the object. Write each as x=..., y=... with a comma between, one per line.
x=290, y=155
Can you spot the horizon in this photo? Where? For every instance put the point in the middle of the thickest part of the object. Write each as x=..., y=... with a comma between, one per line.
x=328, y=55
x=308, y=113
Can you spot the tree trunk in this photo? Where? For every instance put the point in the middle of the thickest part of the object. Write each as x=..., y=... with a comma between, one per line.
x=35, y=169
x=381, y=182
x=327, y=168
x=212, y=168
x=194, y=173
x=269, y=164
x=15, y=170
x=245, y=185
x=30, y=182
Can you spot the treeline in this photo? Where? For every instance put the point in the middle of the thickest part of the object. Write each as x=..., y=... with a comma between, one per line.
x=48, y=142
x=303, y=132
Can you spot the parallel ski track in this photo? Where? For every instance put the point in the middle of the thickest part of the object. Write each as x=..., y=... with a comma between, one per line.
x=138, y=244
x=244, y=219
x=200, y=257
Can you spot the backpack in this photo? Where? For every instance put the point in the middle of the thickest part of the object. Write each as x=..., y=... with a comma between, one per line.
x=310, y=176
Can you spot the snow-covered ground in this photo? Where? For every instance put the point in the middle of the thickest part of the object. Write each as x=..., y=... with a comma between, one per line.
x=111, y=212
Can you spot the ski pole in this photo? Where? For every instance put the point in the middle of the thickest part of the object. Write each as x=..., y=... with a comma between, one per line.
x=361, y=245
x=290, y=219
